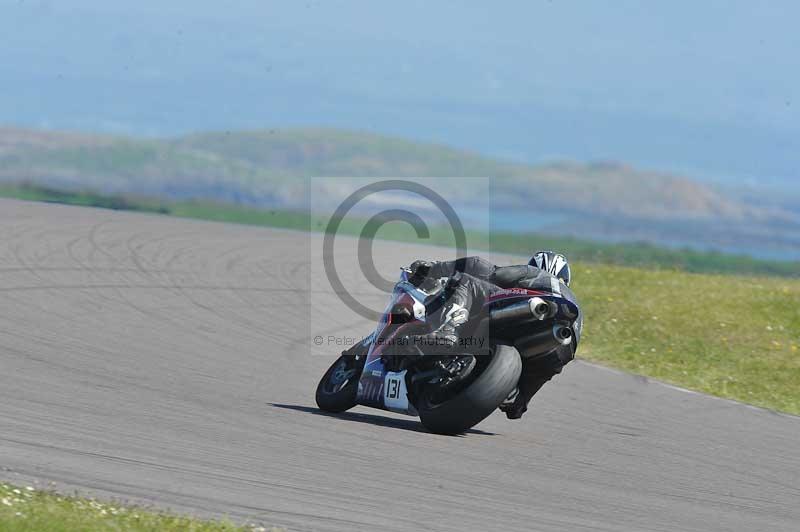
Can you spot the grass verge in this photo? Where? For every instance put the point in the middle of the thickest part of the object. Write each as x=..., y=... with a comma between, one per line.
x=24, y=509
x=730, y=336
x=733, y=336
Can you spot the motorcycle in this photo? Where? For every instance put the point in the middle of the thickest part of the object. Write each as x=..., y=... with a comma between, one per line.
x=455, y=389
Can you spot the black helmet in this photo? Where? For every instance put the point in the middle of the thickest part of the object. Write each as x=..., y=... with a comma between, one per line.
x=554, y=263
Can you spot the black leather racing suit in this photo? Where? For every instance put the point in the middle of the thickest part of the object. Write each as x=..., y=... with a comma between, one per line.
x=478, y=278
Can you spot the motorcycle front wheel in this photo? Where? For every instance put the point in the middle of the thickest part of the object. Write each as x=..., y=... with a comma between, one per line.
x=337, y=390
x=475, y=402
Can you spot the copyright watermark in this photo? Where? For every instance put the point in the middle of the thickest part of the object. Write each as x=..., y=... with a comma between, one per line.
x=330, y=340
x=338, y=341
x=373, y=227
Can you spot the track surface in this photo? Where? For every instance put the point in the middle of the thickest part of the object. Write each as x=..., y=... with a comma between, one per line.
x=171, y=362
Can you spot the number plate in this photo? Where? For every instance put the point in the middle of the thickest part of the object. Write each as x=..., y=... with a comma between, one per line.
x=395, y=396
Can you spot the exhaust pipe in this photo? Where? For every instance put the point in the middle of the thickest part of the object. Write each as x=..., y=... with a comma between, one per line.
x=541, y=309
x=535, y=307
x=544, y=341
x=562, y=334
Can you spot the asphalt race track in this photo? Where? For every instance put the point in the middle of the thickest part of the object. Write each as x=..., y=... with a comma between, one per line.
x=172, y=362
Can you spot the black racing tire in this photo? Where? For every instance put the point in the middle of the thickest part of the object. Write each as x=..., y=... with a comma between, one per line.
x=331, y=396
x=477, y=401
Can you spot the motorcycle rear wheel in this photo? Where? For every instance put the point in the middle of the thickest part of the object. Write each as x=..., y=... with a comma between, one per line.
x=475, y=402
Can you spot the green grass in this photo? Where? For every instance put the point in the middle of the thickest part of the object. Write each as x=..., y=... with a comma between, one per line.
x=24, y=509
x=730, y=336
x=733, y=336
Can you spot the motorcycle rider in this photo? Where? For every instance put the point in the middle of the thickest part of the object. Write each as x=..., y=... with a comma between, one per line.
x=470, y=281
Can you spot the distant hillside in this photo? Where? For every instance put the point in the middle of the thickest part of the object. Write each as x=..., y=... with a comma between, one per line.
x=260, y=168
x=238, y=165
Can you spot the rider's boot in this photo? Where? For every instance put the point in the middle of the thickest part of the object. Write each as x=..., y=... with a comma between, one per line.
x=444, y=338
x=517, y=402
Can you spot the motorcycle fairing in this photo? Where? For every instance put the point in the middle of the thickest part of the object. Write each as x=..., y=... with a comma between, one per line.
x=378, y=388
x=383, y=389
